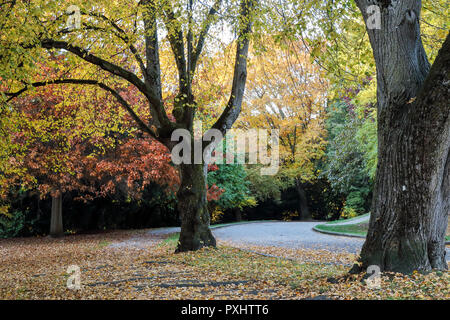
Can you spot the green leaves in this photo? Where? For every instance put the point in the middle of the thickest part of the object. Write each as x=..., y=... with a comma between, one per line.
x=233, y=179
x=351, y=155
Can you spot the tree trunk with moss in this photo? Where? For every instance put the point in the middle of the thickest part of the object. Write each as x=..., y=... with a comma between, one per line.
x=412, y=189
x=192, y=205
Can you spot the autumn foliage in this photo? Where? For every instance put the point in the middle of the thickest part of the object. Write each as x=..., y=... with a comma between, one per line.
x=75, y=138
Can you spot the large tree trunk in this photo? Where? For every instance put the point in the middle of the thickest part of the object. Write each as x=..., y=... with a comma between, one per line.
x=302, y=201
x=56, y=222
x=192, y=205
x=412, y=189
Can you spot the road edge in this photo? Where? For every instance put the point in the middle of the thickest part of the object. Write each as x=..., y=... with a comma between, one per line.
x=350, y=235
x=334, y=233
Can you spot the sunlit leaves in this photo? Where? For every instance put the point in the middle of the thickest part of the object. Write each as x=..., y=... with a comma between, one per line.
x=286, y=92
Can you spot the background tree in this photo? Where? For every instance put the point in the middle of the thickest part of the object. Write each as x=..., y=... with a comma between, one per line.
x=351, y=151
x=286, y=92
x=64, y=150
x=232, y=179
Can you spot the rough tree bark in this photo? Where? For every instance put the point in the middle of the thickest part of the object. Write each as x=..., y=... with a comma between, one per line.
x=412, y=189
x=192, y=205
x=56, y=220
x=302, y=201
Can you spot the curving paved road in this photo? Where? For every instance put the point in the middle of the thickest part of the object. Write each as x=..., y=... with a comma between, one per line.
x=282, y=234
x=290, y=235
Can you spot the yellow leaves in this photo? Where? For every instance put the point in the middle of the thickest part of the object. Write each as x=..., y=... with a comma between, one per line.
x=368, y=95
x=4, y=210
x=216, y=214
x=359, y=263
x=411, y=100
x=285, y=91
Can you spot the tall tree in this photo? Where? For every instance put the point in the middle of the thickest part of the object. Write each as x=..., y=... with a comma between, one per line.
x=412, y=189
x=287, y=92
x=122, y=40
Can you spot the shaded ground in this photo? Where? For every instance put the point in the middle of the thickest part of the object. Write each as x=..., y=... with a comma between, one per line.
x=35, y=268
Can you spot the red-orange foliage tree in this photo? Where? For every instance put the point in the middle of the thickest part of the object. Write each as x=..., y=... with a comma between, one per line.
x=64, y=150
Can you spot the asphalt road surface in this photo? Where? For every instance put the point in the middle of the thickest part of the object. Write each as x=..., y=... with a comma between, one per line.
x=290, y=235
x=282, y=234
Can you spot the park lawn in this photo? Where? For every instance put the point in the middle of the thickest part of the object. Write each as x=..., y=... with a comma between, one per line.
x=356, y=229
x=136, y=265
x=349, y=219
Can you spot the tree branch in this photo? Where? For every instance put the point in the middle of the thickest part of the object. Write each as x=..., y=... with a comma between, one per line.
x=175, y=36
x=119, y=98
x=121, y=34
x=203, y=33
x=152, y=55
x=105, y=65
x=155, y=103
x=233, y=108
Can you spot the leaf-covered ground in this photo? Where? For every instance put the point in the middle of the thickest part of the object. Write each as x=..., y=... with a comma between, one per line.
x=136, y=265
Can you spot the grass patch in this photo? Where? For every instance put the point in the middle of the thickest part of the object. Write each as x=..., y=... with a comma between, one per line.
x=359, y=229
x=104, y=243
x=172, y=239
x=351, y=219
x=218, y=225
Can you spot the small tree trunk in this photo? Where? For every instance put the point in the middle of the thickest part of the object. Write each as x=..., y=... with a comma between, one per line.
x=56, y=222
x=302, y=201
x=238, y=214
x=192, y=206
